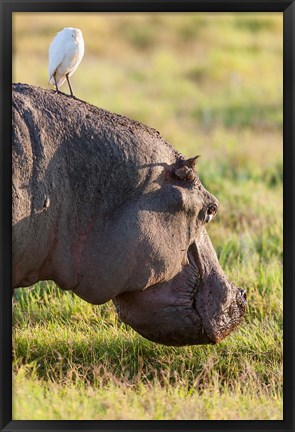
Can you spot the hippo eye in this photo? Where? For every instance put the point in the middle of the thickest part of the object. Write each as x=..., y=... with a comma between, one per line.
x=210, y=212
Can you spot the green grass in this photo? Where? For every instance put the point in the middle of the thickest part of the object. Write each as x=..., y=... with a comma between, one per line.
x=68, y=353
x=212, y=85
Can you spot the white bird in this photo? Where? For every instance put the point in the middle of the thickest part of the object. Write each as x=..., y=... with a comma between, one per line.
x=65, y=54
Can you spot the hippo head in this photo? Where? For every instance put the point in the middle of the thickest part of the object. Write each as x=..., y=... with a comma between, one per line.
x=192, y=302
x=125, y=220
x=156, y=262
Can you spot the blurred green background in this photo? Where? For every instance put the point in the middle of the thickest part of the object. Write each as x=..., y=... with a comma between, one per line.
x=211, y=83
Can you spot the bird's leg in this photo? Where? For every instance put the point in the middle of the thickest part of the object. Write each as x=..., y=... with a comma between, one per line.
x=57, y=91
x=68, y=79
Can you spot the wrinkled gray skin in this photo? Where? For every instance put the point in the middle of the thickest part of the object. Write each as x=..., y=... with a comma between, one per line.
x=103, y=206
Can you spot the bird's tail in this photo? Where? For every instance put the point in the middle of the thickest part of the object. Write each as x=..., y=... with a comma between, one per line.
x=59, y=80
x=51, y=79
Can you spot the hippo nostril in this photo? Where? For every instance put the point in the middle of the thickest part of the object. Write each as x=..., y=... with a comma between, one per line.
x=243, y=294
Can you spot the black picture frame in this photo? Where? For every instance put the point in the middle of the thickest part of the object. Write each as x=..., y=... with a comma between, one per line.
x=287, y=7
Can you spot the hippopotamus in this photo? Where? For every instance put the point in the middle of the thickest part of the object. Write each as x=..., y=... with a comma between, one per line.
x=105, y=207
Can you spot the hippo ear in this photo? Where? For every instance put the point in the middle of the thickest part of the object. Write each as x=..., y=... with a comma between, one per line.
x=185, y=169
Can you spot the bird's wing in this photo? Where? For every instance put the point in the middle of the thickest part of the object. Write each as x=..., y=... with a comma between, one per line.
x=56, y=54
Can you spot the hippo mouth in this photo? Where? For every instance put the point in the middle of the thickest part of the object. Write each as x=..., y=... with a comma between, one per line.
x=221, y=324
x=197, y=306
x=204, y=281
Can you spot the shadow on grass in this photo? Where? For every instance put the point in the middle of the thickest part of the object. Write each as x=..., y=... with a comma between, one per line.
x=132, y=360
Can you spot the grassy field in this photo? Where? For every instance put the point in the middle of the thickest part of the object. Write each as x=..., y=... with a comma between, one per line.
x=212, y=85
